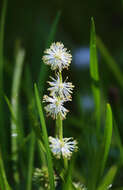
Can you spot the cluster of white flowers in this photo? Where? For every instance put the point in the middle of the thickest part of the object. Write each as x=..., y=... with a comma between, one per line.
x=59, y=92
x=62, y=148
x=57, y=56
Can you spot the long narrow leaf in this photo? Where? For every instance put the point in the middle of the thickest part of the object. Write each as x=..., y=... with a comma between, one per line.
x=94, y=72
x=31, y=159
x=46, y=142
x=93, y=53
x=2, y=27
x=43, y=71
x=107, y=136
x=3, y=180
x=118, y=141
x=33, y=117
x=11, y=110
x=113, y=66
x=96, y=93
x=14, y=102
x=108, y=179
x=2, y=117
x=68, y=180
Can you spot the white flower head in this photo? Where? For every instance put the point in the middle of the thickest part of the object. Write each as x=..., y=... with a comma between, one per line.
x=109, y=186
x=61, y=89
x=79, y=186
x=55, y=107
x=62, y=148
x=57, y=56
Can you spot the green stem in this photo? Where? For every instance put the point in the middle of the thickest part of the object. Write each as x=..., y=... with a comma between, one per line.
x=56, y=129
x=65, y=163
x=59, y=127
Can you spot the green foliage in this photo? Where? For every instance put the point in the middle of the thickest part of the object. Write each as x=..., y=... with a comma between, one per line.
x=99, y=160
x=93, y=53
x=31, y=160
x=108, y=178
x=15, y=129
x=2, y=61
x=3, y=180
x=111, y=63
x=44, y=70
x=95, y=73
x=107, y=136
x=45, y=138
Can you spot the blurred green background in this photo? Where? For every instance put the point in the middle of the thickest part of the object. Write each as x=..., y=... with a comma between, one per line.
x=28, y=23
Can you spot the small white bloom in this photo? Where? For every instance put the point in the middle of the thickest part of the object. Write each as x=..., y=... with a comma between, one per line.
x=59, y=88
x=109, y=186
x=55, y=107
x=79, y=186
x=64, y=147
x=57, y=56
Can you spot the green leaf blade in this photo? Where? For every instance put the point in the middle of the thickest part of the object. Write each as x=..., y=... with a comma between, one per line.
x=46, y=142
x=109, y=60
x=31, y=160
x=94, y=73
x=107, y=136
x=108, y=179
x=44, y=69
x=16, y=130
x=93, y=53
x=3, y=180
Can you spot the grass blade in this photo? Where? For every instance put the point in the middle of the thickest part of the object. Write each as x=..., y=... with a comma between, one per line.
x=3, y=180
x=68, y=177
x=113, y=66
x=2, y=127
x=44, y=68
x=14, y=104
x=2, y=27
x=33, y=116
x=96, y=93
x=53, y=29
x=93, y=53
x=46, y=142
x=118, y=141
x=94, y=73
x=108, y=179
x=31, y=159
x=11, y=110
x=107, y=136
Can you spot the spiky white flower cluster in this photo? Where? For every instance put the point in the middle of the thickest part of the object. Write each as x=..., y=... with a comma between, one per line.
x=57, y=57
x=60, y=92
x=64, y=89
x=55, y=106
x=62, y=148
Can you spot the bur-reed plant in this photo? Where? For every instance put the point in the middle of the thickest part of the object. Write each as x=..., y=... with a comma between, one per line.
x=57, y=162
